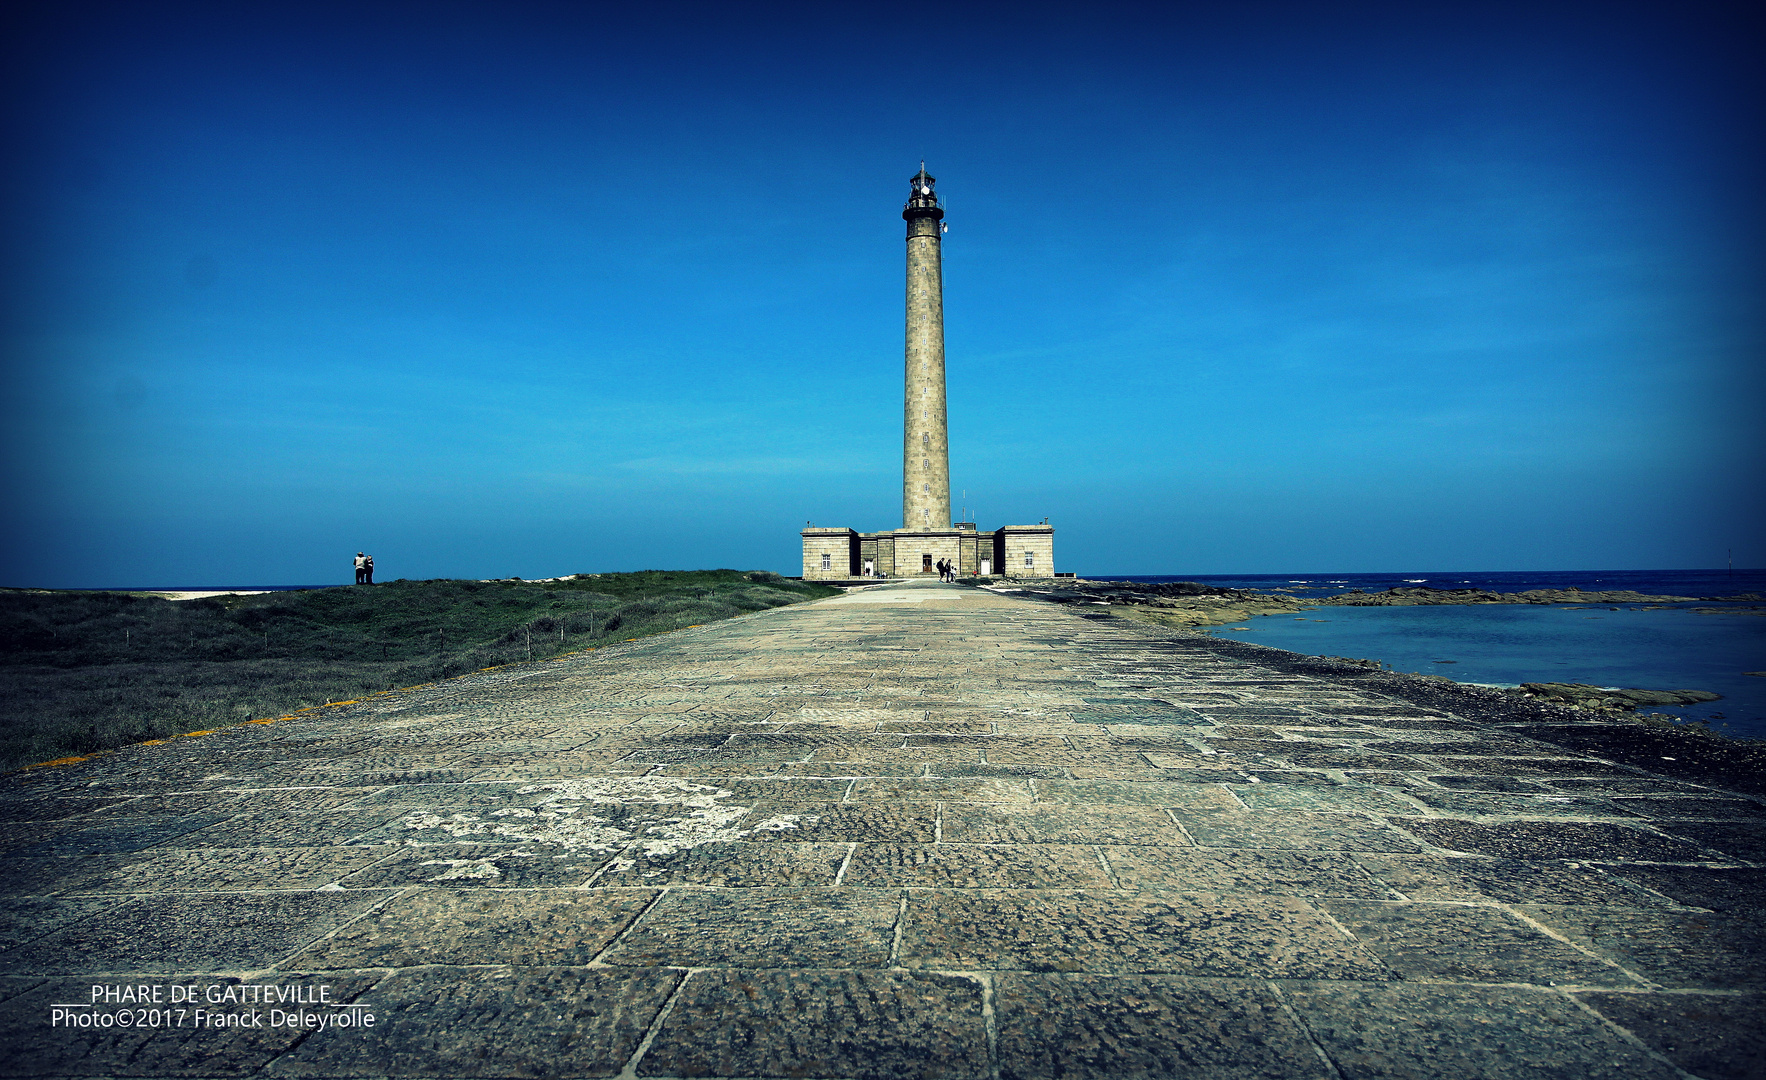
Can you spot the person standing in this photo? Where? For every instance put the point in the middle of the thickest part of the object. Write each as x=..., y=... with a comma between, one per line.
x=361, y=568
x=368, y=570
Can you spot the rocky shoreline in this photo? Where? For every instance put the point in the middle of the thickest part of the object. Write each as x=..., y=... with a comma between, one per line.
x=1188, y=605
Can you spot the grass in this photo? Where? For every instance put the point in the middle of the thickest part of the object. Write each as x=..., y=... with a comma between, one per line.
x=82, y=672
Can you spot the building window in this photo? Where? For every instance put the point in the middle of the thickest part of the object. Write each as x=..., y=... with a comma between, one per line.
x=827, y=561
x=925, y=436
x=1029, y=558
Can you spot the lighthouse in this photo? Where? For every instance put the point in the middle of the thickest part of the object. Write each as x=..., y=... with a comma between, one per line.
x=928, y=535
x=925, y=450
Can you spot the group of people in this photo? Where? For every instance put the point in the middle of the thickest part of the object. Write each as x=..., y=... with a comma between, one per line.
x=947, y=570
x=364, y=569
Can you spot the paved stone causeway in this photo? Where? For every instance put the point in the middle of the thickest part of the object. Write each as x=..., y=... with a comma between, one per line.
x=915, y=831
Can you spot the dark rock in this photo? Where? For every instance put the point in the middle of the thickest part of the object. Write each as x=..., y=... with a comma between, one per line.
x=1585, y=696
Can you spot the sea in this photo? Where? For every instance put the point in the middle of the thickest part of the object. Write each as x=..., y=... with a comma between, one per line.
x=1708, y=646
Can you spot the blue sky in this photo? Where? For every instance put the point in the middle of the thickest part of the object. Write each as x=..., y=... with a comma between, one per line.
x=493, y=289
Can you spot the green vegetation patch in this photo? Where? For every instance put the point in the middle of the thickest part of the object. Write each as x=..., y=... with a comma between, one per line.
x=88, y=671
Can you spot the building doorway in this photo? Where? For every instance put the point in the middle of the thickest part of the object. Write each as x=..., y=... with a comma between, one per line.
x=986, y=567
x=925, y=562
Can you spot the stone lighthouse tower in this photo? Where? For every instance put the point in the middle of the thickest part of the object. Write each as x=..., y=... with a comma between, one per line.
x=927, y=535
x=925, y=452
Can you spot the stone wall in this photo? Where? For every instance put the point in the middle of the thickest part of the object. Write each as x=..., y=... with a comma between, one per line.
x=913, y=547
x=830, y=553
x=944, y=546
x=885, y=566
x=1026, y=551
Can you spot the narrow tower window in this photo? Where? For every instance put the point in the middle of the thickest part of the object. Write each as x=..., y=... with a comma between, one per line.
x=827, y=561
x=1030, y=558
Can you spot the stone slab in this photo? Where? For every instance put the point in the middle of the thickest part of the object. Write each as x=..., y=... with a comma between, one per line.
x=736, y=865
x=1550, y=840
x=464, y=1022
x=1387, y=1032
x=1728, y=888
x=977, y=866
x=525, y=928
x=1712, y=1036
x=1147, y=1026
x=1744, y=841
x=1058, y=824
x=1282, y=829
x=1514, y=881
x=225, y=870
x=26, y=918
x=1280, y=873
x=1143, y=933
x=1467, y=943
x=869, y=1025
x=753, y=928
x=1676, y=949
x=173, y=934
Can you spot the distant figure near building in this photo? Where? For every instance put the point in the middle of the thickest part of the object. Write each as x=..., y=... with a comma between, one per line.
x=927, y=535
x=361, y=568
